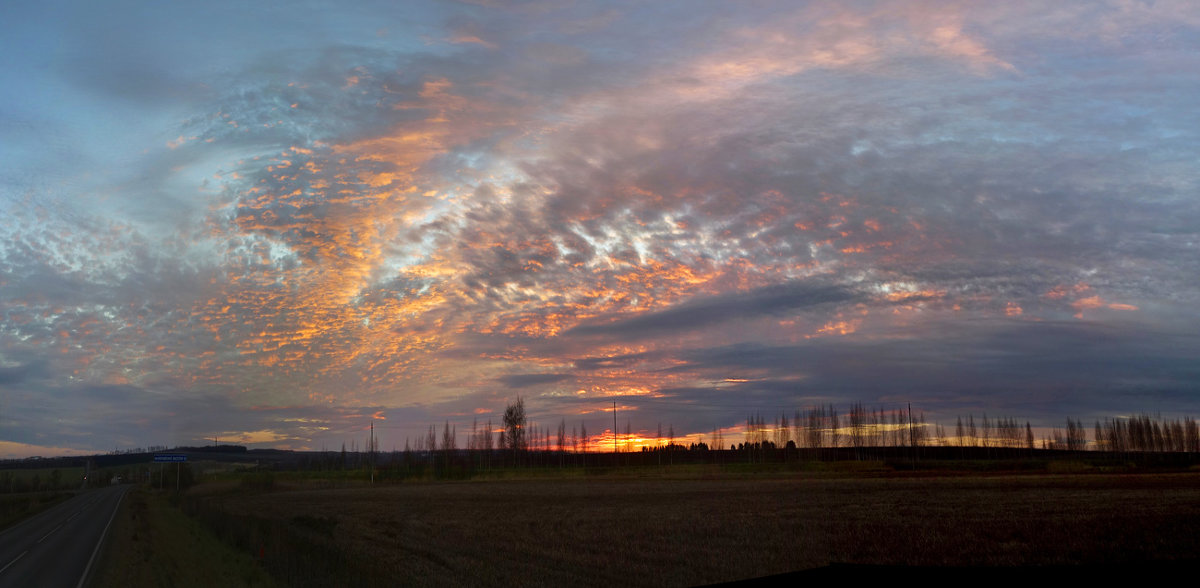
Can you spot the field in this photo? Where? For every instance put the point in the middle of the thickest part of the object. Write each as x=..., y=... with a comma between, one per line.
x=698, y=526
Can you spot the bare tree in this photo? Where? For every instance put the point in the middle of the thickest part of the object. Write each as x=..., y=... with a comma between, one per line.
x=920, y=434
x=449, y=443
x=894, y=431
x=1191, y=435
x=449, y=438
x=857, y=428
x=514, y=437
x=1076, y=435
x=797, y=424
x=815, y=433
x=659, y=441
x=487, y=437
x=834, y=426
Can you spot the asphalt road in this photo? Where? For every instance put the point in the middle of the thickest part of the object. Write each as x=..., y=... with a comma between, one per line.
x=59, y=546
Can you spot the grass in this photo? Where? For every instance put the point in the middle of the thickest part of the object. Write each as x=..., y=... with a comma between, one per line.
x=154, y=544
x=16, y=507
x=701, y=525
x=18, y=481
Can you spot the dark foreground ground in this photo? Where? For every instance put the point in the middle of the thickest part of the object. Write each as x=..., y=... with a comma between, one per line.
x=703, y=527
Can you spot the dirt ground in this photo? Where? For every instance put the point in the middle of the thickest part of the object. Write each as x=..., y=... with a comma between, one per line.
x=588, y=531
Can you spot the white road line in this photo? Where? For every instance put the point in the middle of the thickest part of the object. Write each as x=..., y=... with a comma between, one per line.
x=50, y=533
x=92, y=560
x=13, y=561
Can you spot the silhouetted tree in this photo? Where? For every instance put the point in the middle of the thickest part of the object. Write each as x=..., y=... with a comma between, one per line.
x=514, y=428
x=562, y=440
x=797, y=425
x=919, y=434
x=1076, y=435
x=1191, y=436
x=815, y=433
x=449, y=444
x=670, y=441
x=858, y=418
x=834, y=426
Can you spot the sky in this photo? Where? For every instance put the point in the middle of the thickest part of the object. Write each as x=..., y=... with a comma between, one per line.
x=276, y=223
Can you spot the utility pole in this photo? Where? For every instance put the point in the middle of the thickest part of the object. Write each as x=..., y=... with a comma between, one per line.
x=614, y=427
x=372, y=449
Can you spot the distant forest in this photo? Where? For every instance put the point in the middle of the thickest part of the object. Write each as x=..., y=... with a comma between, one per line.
x=817, y=433
x=824, y=427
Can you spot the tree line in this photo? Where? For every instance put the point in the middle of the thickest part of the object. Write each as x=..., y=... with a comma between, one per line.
x=821, y=432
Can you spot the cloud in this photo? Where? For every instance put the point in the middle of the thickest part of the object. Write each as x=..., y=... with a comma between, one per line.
x=761, y=204
x=14, y=375
x=527, y=380
x=769, y=300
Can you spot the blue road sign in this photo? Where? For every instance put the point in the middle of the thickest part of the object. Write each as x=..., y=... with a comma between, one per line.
x=169, y=457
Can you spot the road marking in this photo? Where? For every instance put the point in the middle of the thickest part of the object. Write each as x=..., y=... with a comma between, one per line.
x=13, y=561
x=50, y=533
x=92, y=560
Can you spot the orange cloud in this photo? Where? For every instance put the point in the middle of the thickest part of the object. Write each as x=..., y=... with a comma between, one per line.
x=838, y=328
x=467, y=38
x=1062, y=291
x=1092, y=302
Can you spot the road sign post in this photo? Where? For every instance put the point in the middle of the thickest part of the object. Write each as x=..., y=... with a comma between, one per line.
x=175, y=458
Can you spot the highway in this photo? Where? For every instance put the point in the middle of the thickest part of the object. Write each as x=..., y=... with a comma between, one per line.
x=59, y=546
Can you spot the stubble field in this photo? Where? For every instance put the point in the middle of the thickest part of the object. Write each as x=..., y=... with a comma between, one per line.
x=698, y=529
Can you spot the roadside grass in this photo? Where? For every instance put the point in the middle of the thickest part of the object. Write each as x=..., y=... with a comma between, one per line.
x=700, y=525
x=152, y=543
x=19, y=481
x=70, y=477
x=16, y=507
